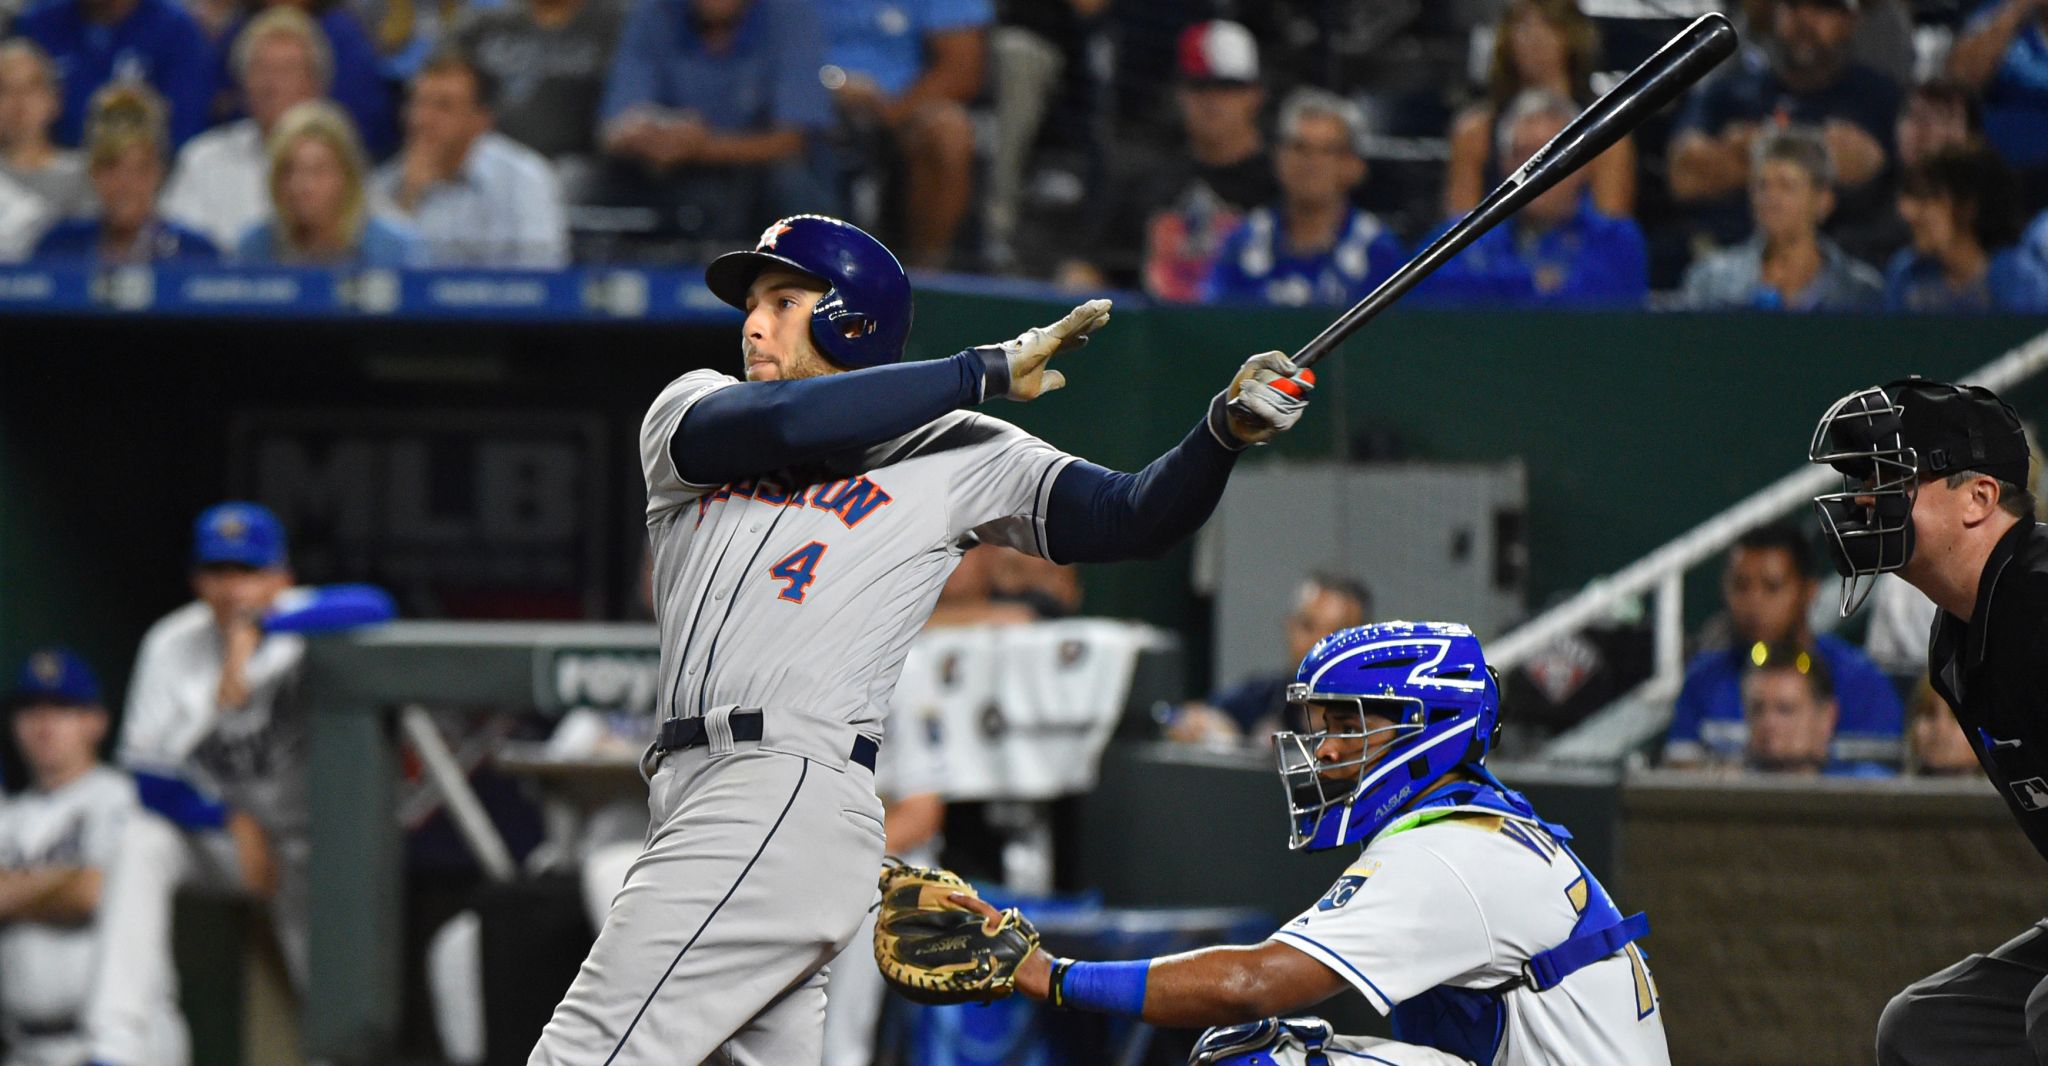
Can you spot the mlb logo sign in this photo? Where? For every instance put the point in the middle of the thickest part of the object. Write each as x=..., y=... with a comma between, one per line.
x=2032, y=793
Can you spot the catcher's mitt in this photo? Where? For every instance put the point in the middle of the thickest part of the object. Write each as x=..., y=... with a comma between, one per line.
x=935, y=949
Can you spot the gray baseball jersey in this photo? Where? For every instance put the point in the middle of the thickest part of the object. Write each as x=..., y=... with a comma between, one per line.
x=804, y=589
x=253, y=756
x=45, y=969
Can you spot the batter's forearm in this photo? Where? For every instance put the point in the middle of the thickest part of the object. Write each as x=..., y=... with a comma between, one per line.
x=754, y=428
x=1098, y=515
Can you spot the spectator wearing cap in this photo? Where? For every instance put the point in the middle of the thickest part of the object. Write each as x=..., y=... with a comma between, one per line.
x=2002, y=54
x=126, y=145
x=1767, y=589
x=280, y=60
x=59, y=839
x=1168, y=216
x=30, y=102
x=1548, y=45
x=1961, y=209
x=1788, y=706
x=1808, y=79
x=95, y=43
x=216, y=741
x=710, y=113
x=908, y=69
x=1313, y=246
x=476, y=196
x=1787, y=264
x=1560, y=250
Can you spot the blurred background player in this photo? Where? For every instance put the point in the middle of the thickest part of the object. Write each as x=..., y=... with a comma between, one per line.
x=57, y=839
x=217, y=746
x=1252, y=709
x=1768, y=587
x=1466, y=918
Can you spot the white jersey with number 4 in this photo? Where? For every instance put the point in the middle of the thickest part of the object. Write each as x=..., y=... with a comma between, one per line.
x=802, y=589
x=1465, y=900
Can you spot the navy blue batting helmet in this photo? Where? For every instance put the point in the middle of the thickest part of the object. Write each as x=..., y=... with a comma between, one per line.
x=864, y=317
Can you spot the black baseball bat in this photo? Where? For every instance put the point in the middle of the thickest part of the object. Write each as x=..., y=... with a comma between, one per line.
x=1657, y=81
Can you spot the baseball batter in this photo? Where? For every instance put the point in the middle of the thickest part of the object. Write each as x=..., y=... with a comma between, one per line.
x=802, y=523
x=57, y=839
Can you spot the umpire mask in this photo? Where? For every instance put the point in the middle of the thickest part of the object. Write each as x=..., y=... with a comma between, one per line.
x=1868, y=526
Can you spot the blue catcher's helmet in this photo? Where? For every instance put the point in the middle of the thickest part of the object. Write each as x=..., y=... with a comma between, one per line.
x=1430, y=679
x=864, y=317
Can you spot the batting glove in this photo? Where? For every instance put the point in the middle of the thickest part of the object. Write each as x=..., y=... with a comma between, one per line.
x=1026, y=356
x=1264, y=400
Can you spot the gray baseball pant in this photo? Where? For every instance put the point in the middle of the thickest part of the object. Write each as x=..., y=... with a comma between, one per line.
x=761, y=858
x=1987, y=1010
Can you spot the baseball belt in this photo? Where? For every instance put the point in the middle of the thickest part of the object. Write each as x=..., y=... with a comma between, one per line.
x=680, y=733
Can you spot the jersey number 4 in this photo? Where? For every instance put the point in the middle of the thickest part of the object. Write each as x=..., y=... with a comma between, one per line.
x=799, y=568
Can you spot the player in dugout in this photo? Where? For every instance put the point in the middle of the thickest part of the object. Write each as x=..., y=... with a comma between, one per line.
x=1934, y=489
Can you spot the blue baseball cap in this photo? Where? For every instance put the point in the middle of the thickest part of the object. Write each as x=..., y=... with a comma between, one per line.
x=248, y=534
x=55, y=675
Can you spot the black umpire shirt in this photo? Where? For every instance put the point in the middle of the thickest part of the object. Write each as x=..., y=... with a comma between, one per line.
x=1993, y=670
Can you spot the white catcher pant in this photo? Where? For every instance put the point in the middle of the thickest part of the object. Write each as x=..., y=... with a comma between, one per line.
x=759, y=863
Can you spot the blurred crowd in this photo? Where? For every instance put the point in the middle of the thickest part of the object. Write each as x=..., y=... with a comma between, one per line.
x=1857, y=154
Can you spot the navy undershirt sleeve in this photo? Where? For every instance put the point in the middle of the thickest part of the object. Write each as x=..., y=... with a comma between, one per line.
x=757, y=427
x=1097, y=515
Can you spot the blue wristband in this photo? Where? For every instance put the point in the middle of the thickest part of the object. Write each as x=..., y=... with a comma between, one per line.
x=1108, y=987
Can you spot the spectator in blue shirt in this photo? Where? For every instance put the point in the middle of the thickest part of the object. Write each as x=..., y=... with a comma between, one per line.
x=1787, y=265
x=1314, y=246
x=1788, y=704
x=95, y=42
x=320, y=213
x=1768, y=588
x=1808, y=80
x=910, y=67
x=476, y=196
x=1560, y=250
x=710, y=110
x=1961, y=207
x=2002, y=53
x=125, y=146
x=356, y=79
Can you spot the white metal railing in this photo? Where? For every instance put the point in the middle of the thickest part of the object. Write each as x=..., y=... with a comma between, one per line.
x=1662, y=572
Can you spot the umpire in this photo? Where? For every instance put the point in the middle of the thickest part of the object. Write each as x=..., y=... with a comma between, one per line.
x=1934, y=490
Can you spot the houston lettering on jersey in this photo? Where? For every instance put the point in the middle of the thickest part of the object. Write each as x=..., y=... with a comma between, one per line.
x=851, y=500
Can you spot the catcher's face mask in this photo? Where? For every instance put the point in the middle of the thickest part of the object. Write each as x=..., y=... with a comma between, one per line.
x=1325, y=770
x=1869, y=524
